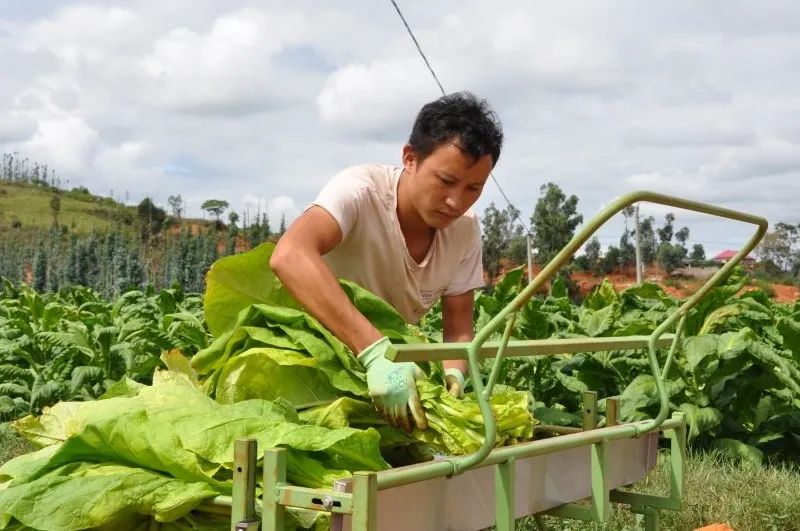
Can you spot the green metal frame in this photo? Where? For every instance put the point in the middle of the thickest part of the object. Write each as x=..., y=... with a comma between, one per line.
x=362, y=502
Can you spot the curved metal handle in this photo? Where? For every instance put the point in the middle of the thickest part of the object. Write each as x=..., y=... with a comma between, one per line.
x=467, y=461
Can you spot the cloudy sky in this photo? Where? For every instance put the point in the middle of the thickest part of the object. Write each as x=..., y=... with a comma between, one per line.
x=259, y=103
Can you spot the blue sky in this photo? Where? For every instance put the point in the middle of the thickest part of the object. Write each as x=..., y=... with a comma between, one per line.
x=259, y=103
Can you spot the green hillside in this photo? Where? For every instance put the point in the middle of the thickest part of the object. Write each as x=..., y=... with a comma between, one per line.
x=28, y=206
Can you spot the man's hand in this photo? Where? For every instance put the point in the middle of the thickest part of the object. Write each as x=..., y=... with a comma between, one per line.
x=393, y=387
x=454, y=380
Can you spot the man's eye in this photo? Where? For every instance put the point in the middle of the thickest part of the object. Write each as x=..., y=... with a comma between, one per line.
x=446, y=182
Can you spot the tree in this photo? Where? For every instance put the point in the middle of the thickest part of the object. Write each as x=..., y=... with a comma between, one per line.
x=215, y=207
x=55, y=206
x=698, y=253
x=554, y=221
x=610, y=261
x=682, y=236
x=647, y=240
x=40, y=268
x=670, y=257
x=665, y=233
x=592, y=253
x=777, y=246
x=176, y=204
x=233, y=232
x=499, y=234
x=282, y=227
x=151, y=218
x=627, y=251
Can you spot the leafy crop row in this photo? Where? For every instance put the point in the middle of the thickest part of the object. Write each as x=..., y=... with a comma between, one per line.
x=73, y=345
x=736, y=376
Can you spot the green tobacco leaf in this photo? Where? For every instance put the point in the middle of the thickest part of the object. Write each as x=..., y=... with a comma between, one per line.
x=790, y=331
x=558, y=288
x=284, y=328
x=715, y=298
x=700, y=419
x=558, y=417
x=507, y=288
x=88, y=495
x=701, y=351
x=381, y=314
x=124, y=387
x=642, y=393
x=718, y=319
x=455, y=426
x=646, y=290
x=343, y=412
x=237, y=281
x=601, y=296
x=269, y=374
x=738, y=450
x=172, y=427
x=177, y=362
x=782, y=367
x=598, y=322
x=50, y=427
x=732, y=344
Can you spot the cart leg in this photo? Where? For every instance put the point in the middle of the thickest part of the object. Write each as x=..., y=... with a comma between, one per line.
x=272, y=513
x=504, y=495
x=365, y=501
x=677, y=460
x=243, y=507
x=649, y=516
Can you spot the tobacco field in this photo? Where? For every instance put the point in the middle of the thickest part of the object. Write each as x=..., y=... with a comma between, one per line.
x=138, y=401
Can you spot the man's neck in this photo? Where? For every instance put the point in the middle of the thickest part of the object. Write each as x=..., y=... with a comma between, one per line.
x=412, y=225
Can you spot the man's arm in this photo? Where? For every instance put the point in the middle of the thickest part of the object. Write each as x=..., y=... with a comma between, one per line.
x=457, y=323
x=297, y=262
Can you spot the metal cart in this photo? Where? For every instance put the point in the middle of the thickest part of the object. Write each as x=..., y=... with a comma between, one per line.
x=497, y=486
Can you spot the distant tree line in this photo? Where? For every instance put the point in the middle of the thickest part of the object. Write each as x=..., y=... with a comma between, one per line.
x=554, y=222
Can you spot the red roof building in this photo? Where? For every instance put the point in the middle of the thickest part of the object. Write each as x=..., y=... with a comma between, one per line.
x=727, y=254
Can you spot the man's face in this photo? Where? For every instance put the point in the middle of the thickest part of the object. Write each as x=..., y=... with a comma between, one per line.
x=446, y=183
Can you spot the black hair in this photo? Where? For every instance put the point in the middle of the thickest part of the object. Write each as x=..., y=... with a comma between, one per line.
x=460, y=117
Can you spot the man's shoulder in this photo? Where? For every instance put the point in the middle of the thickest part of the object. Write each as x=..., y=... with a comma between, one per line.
x=377, y=177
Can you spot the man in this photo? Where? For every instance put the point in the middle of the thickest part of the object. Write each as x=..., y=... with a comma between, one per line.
x=408, y=235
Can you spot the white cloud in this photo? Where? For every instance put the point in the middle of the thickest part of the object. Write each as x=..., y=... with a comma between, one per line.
x=68, y=144
x=84, y=33
x=261, y=103
x=282, y=206
x=227, y=67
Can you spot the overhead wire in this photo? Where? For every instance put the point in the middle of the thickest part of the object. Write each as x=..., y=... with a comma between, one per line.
x=436, y=78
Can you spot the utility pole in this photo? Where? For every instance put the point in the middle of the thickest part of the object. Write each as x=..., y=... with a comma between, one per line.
x=530, y=258
x=638, y=247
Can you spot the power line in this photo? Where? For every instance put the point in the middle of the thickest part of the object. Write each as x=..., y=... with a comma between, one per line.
x=436, y=78
x=419, y=48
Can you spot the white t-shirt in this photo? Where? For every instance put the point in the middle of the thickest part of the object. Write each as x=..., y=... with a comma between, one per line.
x=373, y=253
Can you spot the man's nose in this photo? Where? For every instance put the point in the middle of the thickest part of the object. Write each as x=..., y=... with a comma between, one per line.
x=453, y=201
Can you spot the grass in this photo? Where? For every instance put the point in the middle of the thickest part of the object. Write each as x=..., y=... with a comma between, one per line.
x=28, y=206
x=11, y=444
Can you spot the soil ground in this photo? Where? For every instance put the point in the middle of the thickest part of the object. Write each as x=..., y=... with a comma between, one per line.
x=680, y=284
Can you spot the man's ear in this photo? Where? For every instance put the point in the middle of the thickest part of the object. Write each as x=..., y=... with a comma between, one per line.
x=409, y=157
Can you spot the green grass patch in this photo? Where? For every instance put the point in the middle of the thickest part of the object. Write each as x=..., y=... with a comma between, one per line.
x=11, y=444
x=28, y=206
